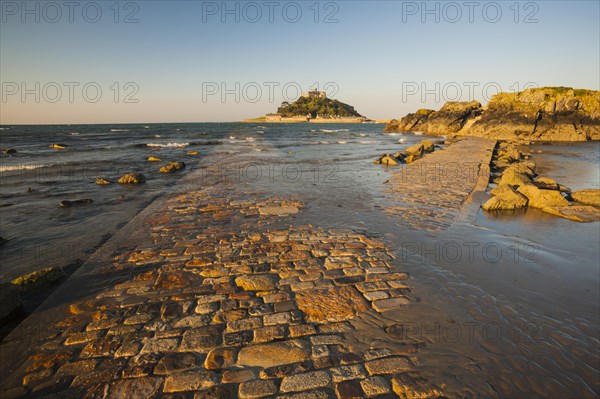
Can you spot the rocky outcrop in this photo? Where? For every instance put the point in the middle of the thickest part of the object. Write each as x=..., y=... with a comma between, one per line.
x=409, y=155
x=587, y=197
x=172, y=167
x=154, y=159
x=38, y=279
x=132, y=178
x=505, y=197
x=520, y=187
x=541, y=114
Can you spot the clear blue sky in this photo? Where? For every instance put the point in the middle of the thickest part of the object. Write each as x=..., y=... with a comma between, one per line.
x=379, y=54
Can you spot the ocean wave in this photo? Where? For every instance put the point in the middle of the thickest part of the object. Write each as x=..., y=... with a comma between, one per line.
x=401, y=140
x=168, y=145
x=392, y=134
x=74, y=133
x=342, y=142
x=334, y=130
x=231, y=137
x=12, y=168
x=260, y=131
x=146, y=127
x=157, y=136
x=119, y=130
x=418, y=133
x=369, y=141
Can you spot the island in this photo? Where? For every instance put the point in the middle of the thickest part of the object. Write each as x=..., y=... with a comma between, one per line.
x=314, y=107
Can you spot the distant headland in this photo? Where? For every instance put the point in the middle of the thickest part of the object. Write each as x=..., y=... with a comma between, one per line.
x=314, y=107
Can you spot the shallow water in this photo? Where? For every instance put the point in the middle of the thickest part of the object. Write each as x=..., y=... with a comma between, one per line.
x=506, y=305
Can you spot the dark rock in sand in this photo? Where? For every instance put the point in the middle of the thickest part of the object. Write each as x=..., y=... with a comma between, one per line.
x=11, y=151
x=172, y=167
x=2, y=241
x=10, y=302
x=38, y=279
x=587, y=197
x=69, y=204
x=132, y=178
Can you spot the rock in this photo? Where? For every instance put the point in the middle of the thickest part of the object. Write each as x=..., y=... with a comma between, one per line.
x=274, y=353
x=546, y=183
x=514, y=177
x=278, y=210
x=58, y=146
x=257, y=389
x=587, y=197
x=449, y=119
x=383, y=305
x=564, y=189
x=548, y=114
x=175, y=362
x=220, y=358
x=154, y=159
x=410, y=159
x=144, y=387
x=10, y=302
x=390, y=365
x=428, y=145
x=193, y=152
x=257, y=282
x=539, y=198
x=172, y=167
x=331, y=304
x=3, y=241
x=101, y=181
x=69, y=204
x=510, y=154
x=388, y=160
x=305, y=382
x=11, y=151
x=505, y=198
x=415, y=150
x=189, y=381
x=410, y=122
x=39, y=278
x=132, y=178
x=578, y=213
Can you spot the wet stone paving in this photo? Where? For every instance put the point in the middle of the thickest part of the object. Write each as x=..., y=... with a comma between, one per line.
x=228, y=303
x=433, y=189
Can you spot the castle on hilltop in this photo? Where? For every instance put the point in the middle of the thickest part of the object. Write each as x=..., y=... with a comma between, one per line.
x=314, y=94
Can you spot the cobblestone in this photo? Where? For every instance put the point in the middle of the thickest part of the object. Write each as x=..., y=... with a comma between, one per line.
x=221, y=305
